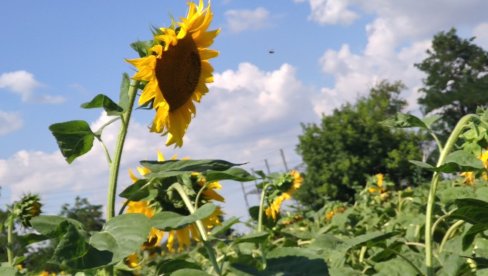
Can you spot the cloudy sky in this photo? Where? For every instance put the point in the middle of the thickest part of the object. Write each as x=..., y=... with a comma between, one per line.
x=56, y=55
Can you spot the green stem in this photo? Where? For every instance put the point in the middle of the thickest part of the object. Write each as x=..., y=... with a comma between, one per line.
x=107, y=153
x=261, y=206
x=197, y=199
x=449, y=233
x=433, y=187
x=10, y=236
x=114, y=166
x=437, y=141
x=200, y=227
x=440, y=219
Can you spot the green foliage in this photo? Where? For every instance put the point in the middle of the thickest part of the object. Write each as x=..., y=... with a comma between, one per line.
x=74, y=138
x=170, y=220
x=88, y=214
x=456, y=79
x=103, y=101
x=351, y=144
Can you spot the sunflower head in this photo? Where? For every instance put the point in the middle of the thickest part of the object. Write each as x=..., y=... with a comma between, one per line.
x=177, y=70
x=282, y=188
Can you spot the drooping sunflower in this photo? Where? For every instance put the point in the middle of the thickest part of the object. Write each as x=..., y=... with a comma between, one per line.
x=181, y=238
x=177, y=71
x=273, y=209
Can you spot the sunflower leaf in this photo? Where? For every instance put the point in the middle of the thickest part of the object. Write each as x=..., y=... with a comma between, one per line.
x=170, y=220
x=188, y=165
x=74, y=138
x=103, y=101
x=122, y=235
x=226, y=225
x=256, y=237
x=236, y=174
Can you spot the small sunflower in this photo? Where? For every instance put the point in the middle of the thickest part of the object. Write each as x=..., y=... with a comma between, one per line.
x=177, y=71
x=378, y=188
x=185, y=235
x=469, y=177
x=274, y=208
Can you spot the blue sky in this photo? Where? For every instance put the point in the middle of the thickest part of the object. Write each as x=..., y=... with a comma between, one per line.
x=56, y=55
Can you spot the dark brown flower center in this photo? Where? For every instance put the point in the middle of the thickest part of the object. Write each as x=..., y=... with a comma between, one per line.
x=178, y=72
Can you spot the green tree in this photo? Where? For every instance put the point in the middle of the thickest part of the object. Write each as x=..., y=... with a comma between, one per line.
x=84, y=212
x=350, y=144
x=456, y=80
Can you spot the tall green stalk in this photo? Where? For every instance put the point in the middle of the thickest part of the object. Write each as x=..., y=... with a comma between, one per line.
x=10, y=234
x=200, y=227
x=261, y=207
x=451, y=141
x=114, y=166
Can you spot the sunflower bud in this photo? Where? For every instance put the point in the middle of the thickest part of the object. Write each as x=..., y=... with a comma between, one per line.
x=27, y=208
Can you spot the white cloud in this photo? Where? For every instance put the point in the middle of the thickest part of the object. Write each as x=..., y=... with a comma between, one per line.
x=9, y=122
x=397, y=38
x=242, y=20
x=24, y=83
x=248, y=115
x=330, y=11
x=20, y=82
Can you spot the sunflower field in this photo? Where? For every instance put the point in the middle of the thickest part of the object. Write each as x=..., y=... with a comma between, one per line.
x=170, y=221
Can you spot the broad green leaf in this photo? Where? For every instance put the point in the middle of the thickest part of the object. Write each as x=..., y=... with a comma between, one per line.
x=236, y=174
x=294, y=261
x=326, y=241
x=122, y=235
x=72, y=244
x=256, y=237
x=74, y=138
x=49, y=225
x=188, y=165
x=226, y=225
x=103, y=101
x=428, y=121
x=457, y=161
x=395, y=267
x=369, y=238
x=124, y=92
x=402, y=120
x=8, y=271
x=460, y=161
x=137, y=191
x=189, y=271
x=170, y=220
x=422, y=165
x=469, y=236
x=92, y=259
x=167, y=267
x=166, y=174
x=287, y=261
x=471, y=210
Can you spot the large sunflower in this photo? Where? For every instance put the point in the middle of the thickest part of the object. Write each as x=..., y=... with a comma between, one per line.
x=177, y=71
x=185, y=235
x=273, y=209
